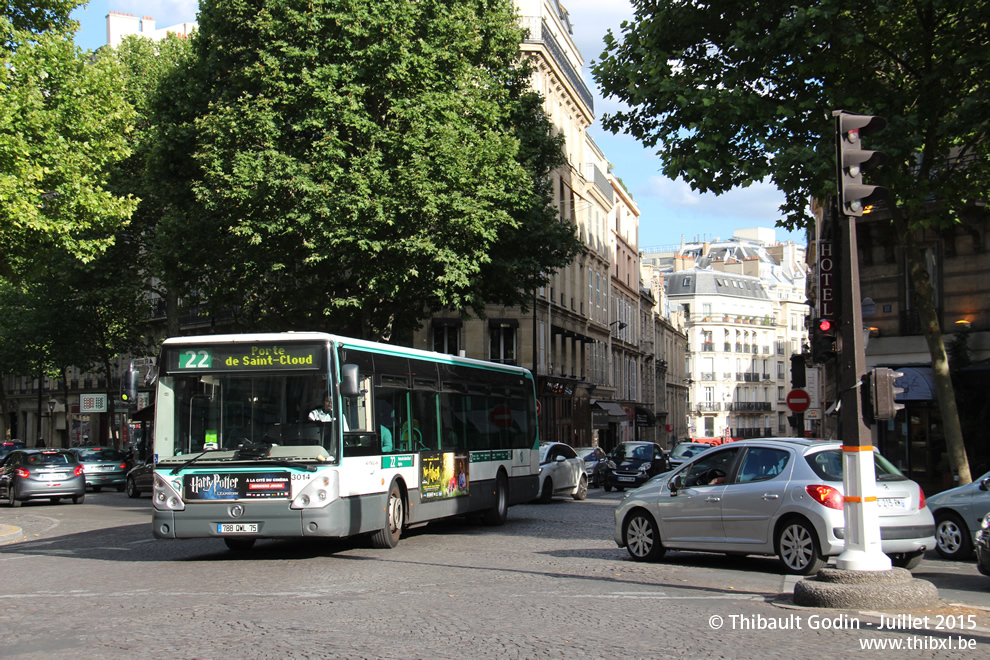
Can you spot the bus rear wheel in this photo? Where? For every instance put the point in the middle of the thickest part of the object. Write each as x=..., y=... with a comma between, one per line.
x=498, y=513
x=388, y=536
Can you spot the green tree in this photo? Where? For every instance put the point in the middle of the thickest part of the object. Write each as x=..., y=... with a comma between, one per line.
x=731, y=93
x=356, y=165
x=63, y=122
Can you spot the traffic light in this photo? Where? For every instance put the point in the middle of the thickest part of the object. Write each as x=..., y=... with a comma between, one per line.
x=852, y=161
x=824, y=346
x=883, y=393
x=129, y=386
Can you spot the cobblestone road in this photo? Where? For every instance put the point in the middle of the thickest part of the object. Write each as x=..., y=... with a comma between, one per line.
x=89, y=581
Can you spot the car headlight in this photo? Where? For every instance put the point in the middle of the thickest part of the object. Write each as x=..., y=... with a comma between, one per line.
x=610, y=465
x=645, y=467
x=985, y=523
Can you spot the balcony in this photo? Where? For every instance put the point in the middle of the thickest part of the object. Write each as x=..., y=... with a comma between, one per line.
x=709, y=406
x=540, y=33
x=708, y=347
x=708, y=376
x=750, y=406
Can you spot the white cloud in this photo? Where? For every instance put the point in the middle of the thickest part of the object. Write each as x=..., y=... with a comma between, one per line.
x=759, y=201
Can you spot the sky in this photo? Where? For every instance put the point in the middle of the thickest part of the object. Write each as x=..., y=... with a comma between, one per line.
x=666, y=207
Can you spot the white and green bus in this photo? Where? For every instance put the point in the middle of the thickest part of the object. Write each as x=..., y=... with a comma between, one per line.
x=315, y=435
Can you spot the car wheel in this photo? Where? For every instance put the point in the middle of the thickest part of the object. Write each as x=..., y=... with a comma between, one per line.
x=388, y=536
x=643, y=537
x=952, y=537
x=908, y=560
x=120, y=488
x=78, y=499
x=12, y=501
x=546, y=493
x=798, y=548
x=608, y=487
x=131, y=488
x=238, y=545
x=582, y=489
x=97, y=489
x=498, y=513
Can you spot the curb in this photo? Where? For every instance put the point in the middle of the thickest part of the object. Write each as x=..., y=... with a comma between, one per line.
x=10, y=534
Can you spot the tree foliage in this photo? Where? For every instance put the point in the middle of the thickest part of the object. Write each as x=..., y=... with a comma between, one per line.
x=731, y=93
x=355, y=165
x=63, y=122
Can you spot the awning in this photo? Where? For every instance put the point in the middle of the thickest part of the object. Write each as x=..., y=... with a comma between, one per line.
x=146, y=414
x=503, y=323
x=645, y=417
x=917, y=382
x=614, y=410
x=442, y=322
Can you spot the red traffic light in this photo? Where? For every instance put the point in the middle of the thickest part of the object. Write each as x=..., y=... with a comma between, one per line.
x=825, y=325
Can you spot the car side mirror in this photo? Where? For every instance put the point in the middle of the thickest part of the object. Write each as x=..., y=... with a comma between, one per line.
x=676, y=483
x=559, y=459
x=985, y=484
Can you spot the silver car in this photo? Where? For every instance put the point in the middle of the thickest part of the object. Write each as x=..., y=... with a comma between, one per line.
x=958, y=514
x=778, y=496
x=104, y=466
x=33, y=474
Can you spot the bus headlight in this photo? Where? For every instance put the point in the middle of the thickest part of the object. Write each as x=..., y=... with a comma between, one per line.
x=319, y=492
x=165, y=497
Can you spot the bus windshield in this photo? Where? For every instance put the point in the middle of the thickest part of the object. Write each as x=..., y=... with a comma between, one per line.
x=231, y=411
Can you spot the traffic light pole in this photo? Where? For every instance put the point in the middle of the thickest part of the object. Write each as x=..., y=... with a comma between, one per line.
x=862, y=535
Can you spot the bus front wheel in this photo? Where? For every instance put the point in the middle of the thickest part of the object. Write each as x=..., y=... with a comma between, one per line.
x=388, y=536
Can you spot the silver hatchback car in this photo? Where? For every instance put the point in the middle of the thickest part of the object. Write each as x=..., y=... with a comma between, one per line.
x=777, y=496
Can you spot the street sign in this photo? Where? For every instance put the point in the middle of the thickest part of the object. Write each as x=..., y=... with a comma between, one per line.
x=501, y=416
x=798, y=401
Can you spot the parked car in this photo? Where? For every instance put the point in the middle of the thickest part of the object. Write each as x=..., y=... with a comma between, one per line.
x=958, y=514
x=983, y=546
x=103, y=466
x=29, y=474
x=561, y=472
x=141, y=478
x=778, y=496
x=632, y=464
x=594, y=464
x=684, y=451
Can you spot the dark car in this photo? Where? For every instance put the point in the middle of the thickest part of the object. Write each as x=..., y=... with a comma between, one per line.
x=8, y=446
x=141, y=478
x=632, y=464
x=684, y=451
x=104, y=466
x=983, y=547
x=30, y=474
x=594, y=464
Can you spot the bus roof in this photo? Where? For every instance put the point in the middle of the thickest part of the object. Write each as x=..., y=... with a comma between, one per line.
x=378, y=347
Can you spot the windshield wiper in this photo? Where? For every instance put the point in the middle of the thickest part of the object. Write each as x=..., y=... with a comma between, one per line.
x=192, y=460
x=284, y=463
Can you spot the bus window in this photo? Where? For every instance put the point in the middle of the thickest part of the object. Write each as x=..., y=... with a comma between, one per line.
x=424, y=420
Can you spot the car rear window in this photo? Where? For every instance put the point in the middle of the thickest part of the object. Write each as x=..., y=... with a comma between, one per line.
x=51, y=458
x=99, y=454
x=828, y=466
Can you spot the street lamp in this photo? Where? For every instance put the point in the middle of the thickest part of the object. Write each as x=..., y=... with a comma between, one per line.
x=51, y=422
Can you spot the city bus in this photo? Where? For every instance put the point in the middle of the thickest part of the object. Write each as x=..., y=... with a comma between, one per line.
x=306, y=434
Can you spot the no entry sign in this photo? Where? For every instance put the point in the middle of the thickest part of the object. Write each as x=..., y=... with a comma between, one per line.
x=798, y=401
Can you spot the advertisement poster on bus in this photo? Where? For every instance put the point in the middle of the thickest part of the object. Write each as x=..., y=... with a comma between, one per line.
x=238, y=485
x=444, y=475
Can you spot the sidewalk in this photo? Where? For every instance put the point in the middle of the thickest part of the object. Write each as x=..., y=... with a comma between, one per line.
x=10, y=534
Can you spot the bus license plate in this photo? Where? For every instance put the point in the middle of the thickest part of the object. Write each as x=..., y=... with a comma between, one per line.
x=237, y=528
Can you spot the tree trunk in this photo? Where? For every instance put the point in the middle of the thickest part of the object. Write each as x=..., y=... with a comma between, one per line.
x=928, y=317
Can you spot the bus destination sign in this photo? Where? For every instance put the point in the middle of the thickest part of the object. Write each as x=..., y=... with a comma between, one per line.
x=243, y=357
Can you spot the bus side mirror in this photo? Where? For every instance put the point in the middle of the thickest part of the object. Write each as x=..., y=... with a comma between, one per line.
x=349, y=380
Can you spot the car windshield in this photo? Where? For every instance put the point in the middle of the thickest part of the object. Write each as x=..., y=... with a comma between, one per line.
x=97, y=454
x=687, y=451
x=51, y=458
x=625, y=450
x=828, y=466
x=588, y=454
x=543, y=453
